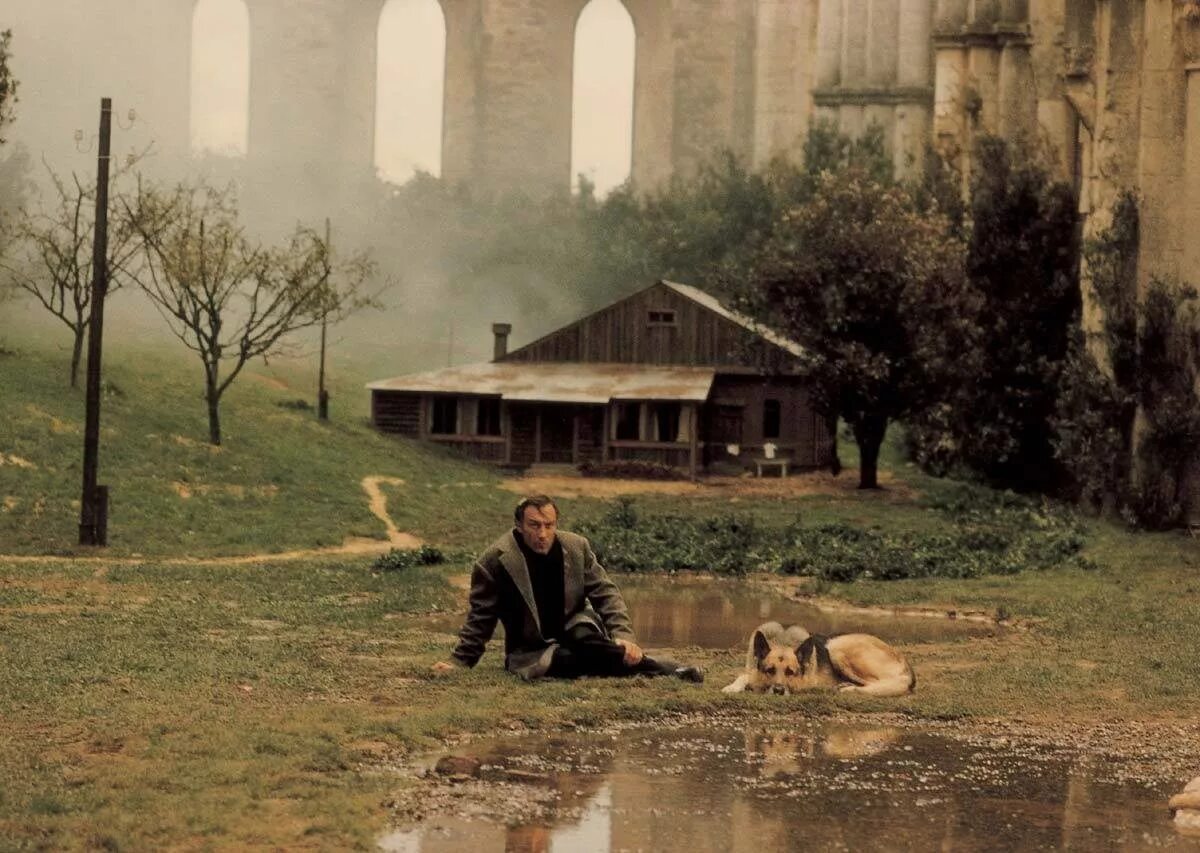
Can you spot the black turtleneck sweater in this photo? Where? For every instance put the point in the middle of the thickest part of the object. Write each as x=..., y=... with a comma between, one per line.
x=546, y=576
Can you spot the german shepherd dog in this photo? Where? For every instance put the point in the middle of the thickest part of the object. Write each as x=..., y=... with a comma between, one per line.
x=785, y=660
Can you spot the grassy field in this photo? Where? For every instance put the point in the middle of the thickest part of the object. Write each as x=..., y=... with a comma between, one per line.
x=151, y=702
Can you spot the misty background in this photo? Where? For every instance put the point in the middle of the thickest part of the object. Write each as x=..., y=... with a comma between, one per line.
x=447, y=268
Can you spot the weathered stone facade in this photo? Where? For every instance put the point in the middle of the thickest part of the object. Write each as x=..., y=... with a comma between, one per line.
x=1110, y=88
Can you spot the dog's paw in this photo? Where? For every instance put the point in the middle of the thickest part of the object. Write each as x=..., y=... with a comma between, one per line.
x=732, y=688
x=848, y=688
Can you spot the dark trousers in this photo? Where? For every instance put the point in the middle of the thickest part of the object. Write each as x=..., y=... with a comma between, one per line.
x=586, y=651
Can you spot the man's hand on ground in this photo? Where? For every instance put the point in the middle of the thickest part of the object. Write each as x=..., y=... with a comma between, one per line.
x=633, y=652
x=443, y=667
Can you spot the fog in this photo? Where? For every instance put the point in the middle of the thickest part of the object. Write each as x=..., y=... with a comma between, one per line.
x=195, y=121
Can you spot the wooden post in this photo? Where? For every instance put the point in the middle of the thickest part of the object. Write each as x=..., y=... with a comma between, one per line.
x=695, y=430
x=91, y=517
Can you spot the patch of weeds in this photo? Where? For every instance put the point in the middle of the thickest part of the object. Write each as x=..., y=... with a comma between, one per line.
x=635, y=469
x=397, y=559
x=988, y=534
x=295, y=405
x=626, y=540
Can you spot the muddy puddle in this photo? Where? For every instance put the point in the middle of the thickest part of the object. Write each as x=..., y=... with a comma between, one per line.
x=807, y=785
x=720, y=613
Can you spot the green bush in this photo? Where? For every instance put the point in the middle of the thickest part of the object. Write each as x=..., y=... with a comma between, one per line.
x=637, y=469
x=397, y=560
x=628, y=541
x=995, y=533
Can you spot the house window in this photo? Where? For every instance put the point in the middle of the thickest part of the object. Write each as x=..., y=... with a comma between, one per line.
x=445, y=416
x=664, y=422
x=661, y=317
x=628, y=422
x=771, y=418
x=487, y=418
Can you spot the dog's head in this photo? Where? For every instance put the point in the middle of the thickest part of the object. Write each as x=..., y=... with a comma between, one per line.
x=777, y=666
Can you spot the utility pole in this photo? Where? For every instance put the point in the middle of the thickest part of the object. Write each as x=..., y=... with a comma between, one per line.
x=322, y=394
x=93, y=512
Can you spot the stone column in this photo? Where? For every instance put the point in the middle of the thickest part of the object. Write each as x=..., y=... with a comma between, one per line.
x=653, y=92
x=462, y=131
x=508, y=93
x=854, y=42
x=913, y=71
x=1191, y=227
x=829, y=53
x=1191, y=218
x=1162, y=155
x=950, y=16
x=784, y=61
x=1017, y=93
x=312, y=93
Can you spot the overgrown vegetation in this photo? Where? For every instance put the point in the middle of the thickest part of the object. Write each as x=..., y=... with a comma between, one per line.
x=402, y=559
x=1021, y=259
x=982, y=533
x=1144, y=358
x=639, y=469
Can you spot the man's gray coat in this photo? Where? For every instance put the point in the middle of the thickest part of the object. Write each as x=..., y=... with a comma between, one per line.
x=501, y=590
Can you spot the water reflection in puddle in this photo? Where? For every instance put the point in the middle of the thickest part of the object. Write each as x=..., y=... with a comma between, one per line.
x=817, y=786
x=720, y=614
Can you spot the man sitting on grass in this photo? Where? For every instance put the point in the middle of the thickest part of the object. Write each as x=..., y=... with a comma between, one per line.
x=562, y=616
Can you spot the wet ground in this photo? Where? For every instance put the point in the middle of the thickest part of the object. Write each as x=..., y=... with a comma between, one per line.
x=786, y=785
x=718, y=613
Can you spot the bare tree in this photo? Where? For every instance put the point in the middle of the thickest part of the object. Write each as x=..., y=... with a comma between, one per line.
x=228, y=298
x=49, y=255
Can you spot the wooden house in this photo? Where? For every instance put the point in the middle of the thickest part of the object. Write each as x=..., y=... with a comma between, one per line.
x=667, y=375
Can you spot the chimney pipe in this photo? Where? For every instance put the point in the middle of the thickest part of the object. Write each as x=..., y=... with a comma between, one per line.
x=501, y=330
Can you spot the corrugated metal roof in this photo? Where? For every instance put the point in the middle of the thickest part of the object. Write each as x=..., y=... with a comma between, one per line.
x=710, y=302
x=560, y=382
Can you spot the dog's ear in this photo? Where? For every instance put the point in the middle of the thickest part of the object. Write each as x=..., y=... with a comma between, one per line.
x=803, y=652
x=761, y=646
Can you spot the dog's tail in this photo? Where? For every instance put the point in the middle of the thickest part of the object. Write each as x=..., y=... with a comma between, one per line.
x=896, y=685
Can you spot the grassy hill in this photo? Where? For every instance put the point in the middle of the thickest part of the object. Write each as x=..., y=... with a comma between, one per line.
x=281, y=480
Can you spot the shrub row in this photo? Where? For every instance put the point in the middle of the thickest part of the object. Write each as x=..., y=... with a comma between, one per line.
x=1000, y=535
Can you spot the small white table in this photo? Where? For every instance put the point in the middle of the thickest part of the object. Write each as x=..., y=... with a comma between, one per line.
x=781, y=464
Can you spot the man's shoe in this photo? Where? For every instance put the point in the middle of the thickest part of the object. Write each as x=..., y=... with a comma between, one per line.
x=693, y=674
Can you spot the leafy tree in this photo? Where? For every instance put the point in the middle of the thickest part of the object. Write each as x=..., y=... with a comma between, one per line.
x=49, y=256
x=8, y=83
x=1022, y=259
x=874, y=291
x=229, y=299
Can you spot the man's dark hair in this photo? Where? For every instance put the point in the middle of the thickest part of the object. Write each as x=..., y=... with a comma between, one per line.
x=537, y=502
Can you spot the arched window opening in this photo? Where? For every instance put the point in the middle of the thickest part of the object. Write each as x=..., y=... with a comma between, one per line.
x=602, y=96
x=220, y=77
x=410, y=79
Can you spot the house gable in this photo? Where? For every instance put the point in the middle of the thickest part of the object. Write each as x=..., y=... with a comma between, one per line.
x=663, y=324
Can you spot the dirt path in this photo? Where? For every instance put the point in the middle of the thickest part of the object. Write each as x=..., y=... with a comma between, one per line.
x=379, y=508
x=351, y=546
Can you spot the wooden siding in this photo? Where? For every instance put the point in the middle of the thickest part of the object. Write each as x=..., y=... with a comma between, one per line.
x=524, y=437
x=396, y=411
x=590, y=434
x=801, y=432
x=622, y=333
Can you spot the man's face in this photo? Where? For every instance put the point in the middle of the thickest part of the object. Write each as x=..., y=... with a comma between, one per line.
x=537, y=528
